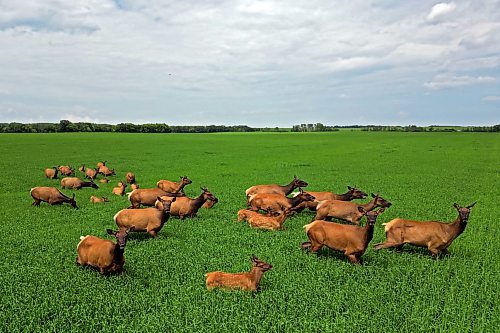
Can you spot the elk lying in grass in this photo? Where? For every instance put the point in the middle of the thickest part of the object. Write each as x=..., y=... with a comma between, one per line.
x=248, y=281
x=51, y=173
x=259, y=221
x=130, y=178
x=350, y=239
x=351, y=194
x=51, y=195
x=101, y=253
x=348, y=211
x=277, y=203
x=104, y=180
x=91, y=173
x=189, y=207
x=147, y=196
x=174, y=187
x=66, y=170
x=76, y=183
x=436, y=236
x=275, y=188
x=120, y=189
x=150, y=220
x=95, y=199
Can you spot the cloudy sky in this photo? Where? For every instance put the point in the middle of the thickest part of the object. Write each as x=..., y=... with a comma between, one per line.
x=261, y=63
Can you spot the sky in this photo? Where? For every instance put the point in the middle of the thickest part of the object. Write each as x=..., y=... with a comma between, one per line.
x=259, y=63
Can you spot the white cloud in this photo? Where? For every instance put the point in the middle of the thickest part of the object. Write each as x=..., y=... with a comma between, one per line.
x=491, y=98
x=441, y=9
x=451, y=81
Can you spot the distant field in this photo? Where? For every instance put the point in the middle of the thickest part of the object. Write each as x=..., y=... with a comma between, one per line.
x=163, y=289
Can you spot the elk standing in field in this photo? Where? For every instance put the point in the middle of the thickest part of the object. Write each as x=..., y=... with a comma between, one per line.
x=51, y=195
x=120, y=190
x=248, y=281
x=107, y=171
x=275, y=188
x=101, y=253
x=350, y=239
x=346, y=210
x=51, y=173
x=436, y=236
x=76, y=183
x=259, y=221
x=150, y=220
x=147, y=196
x=95, y=199
x=351, y=194
x=174, y=187
x=66, y=170
x=91, y=173
x=277, y=203
x=189, y=207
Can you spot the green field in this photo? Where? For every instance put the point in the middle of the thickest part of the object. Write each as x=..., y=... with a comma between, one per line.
x=163, y=287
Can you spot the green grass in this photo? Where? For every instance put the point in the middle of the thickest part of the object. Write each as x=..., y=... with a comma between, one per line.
x=162, y=289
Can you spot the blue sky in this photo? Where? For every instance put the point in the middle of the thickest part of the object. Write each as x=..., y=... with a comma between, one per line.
x=260, y=63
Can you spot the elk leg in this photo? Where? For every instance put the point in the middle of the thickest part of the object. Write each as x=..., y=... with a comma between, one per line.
x=36, y=203
x=305, y=245
x=386, y=245
x=353, y=259
x=316, y=248
x=153, y=233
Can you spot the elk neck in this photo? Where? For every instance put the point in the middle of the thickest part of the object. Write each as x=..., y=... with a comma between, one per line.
x=288, y=188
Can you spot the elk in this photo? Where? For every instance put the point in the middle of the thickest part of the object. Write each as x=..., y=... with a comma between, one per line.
x=82, y=168
x=259, y=221
x=76, y=183
x=120, y=190
x=51, y=173
x=248, y=281
x=352, y=240
x=91, y=173
x=130, y=178
x=175, y=187
x=101, y=253
x=51, y=195
x=104, y=180
x=150, y=220
x=436, y=236
x=346, y=210
x=275, y=188
x=147, y=196
x=185, y=206
x=66, y=170
x=277, y=203
x=95, y=199
x=106, y=171
x=351, y=194
x=101, y=164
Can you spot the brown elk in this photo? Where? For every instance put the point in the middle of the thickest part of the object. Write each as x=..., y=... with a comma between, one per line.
x=91, y=173
x=101, y=164
x=350, y=239
x=248, y=281
x=147, y=196
x=104, y=170
x=277, y=203
x=259, y=221
x=66, y=170
x=174, y=187
x=346, y=210
x=51, y=195
x=82, y=168
x=76, y=183
x=150, y=220
x=101, y=253
x=351, y=194
x=275, y=188
x=104, y=180
x=51, y=173
x=189, y=207
x=436, y=236
x=95, y=199
x=130, y=178
x=120, y=190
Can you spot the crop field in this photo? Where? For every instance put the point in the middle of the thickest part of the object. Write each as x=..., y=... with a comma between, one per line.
x=163, y=287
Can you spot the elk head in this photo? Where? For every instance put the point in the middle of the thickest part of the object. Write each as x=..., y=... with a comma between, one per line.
x=299, y=182
x=356, y=193
x=464, y=212
x=72, y=202
x=381, y=202
x=92, y=184
x=121, y=236
x=185, y=180
x=256, y=262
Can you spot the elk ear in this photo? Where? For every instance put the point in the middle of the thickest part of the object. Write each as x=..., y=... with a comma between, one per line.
x=73, y=196
x=349, y=188
x=361, y=210
x=254, y=258
x=110, y=232
x=456, y=206
x=159, y=199
x=472, y=205
x=373, y=195
x=173, y=199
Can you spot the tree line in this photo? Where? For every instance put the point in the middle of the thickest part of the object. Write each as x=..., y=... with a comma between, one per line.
x=68, y=126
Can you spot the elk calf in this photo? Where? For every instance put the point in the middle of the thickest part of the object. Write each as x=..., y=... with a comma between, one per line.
x=95, y=199
x=248, y=281
x=350, y=239
x=120, y=190
x=436, y=236
x=51, y=195
x=101, y=253
x=51, y=173
x=259, y=221
x=150, y=220
x=77, y=184
x=348, y=211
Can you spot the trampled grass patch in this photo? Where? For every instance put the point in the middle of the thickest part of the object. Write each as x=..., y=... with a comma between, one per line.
x=163, y=289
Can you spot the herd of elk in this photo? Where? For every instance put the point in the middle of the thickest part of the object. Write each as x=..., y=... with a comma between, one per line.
x=169, y=199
